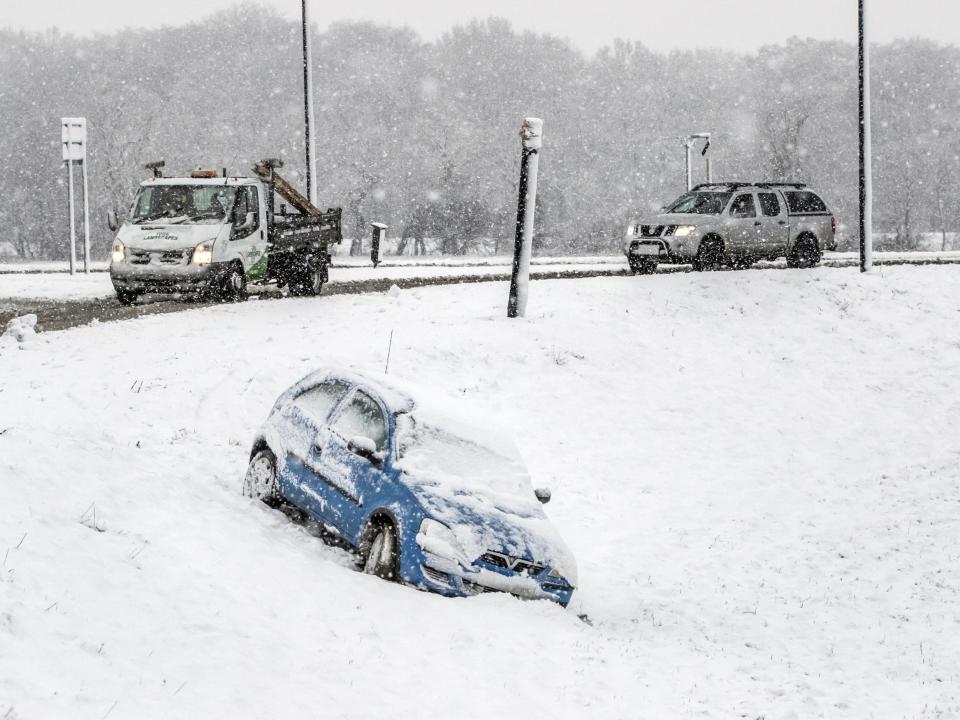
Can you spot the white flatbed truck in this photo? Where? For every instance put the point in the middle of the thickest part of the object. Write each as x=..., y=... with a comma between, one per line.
x=215, y=236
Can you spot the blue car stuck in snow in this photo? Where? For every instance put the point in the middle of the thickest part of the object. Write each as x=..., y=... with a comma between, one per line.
x=423, y=495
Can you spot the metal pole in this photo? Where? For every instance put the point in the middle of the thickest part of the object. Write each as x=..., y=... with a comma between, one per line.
x=86, y=220
x=532, y=133
x=866, y=172
x=709, y=171
x=688, y=144
x=73, y=228
x=309, y=134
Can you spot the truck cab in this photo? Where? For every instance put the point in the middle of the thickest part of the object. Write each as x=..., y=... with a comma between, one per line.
x=211, y=235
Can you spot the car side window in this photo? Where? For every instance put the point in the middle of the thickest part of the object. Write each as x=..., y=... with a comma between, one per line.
x=743, y=207
x=362, y=416
x=317, y=402
x=769, y=204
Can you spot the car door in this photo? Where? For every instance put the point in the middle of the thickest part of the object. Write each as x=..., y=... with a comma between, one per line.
x=302, y=428
x=774, y=228
x=742, y=225
x=351, y=480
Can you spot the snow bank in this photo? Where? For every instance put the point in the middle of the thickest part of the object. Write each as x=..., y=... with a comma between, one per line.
x=758, y=474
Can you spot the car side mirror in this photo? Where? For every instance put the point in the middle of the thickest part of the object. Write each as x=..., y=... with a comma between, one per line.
x=365, y=448
x=543, y=495
x=112, y=222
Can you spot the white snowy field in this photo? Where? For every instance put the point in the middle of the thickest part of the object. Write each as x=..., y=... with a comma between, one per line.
x=759, y=473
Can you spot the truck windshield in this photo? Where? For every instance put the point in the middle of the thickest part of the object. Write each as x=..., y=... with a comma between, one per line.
x=183, y=203
x=700, y=203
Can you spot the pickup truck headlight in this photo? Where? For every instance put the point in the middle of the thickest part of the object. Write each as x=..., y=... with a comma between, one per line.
x=684, y=230
x=118, y=251
x=203, y=253
x=436, y=538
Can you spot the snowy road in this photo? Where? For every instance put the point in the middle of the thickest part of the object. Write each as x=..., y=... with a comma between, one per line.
x=758, y=471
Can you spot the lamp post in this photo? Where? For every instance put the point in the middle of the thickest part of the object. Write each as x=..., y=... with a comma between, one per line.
x=688, y=143
x=866, y=171
x=309, y=134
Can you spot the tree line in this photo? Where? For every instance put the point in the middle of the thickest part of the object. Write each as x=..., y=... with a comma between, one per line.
x=423, y=135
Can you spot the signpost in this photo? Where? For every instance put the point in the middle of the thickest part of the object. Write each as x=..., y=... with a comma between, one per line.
x=532, y=133
x=73, y=138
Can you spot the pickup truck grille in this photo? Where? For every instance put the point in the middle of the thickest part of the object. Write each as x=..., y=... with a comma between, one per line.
x=164, y=257
x=657, y=230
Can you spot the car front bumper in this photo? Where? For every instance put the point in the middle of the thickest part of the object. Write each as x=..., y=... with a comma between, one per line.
x=449, y=578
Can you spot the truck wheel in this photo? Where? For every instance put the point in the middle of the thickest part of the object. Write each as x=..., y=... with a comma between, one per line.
x=805, y=253
x=308, y=281
x=644, y=267
x=709, y=254
x=234, y=286
x=127, y=297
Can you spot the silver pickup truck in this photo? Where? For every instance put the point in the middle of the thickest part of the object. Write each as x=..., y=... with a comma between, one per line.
x=734, y=224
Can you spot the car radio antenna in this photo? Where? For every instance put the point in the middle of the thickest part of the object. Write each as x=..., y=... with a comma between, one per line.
x=386, y=370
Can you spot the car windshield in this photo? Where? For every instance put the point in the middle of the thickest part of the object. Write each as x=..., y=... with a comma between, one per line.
x=186, y=204
x=700, y=203
x=459, y=462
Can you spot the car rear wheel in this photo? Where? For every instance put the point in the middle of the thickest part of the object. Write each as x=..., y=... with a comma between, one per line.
x=709, y=254
x=260, y=481
x=382, y=557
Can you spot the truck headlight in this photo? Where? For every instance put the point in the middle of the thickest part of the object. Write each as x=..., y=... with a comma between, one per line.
x=684, y=230
x=631, y=229
x=118, y=251
x=436, y=538
x=203, y=253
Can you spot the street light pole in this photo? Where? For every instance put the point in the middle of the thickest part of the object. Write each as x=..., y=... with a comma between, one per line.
x=309, y=134
x=866, y=172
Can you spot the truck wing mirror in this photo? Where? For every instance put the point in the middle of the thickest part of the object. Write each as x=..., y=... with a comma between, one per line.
x=112, y=221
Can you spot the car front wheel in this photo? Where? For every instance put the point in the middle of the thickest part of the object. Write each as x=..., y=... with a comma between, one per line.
x=709, y=254
x=383, y=556
x=261, y=482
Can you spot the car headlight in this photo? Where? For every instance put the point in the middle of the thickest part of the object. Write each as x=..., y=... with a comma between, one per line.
x=684, y=230
x=118, y=251
x=437, y=539
x=203, y=253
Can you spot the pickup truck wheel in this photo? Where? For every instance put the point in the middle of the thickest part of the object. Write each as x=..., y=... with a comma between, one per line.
x=805, y=253
x=127, y=297
x=709, y=254
x=645, y=267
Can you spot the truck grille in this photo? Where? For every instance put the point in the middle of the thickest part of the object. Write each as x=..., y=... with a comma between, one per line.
x=508, y=562
x=164, y=257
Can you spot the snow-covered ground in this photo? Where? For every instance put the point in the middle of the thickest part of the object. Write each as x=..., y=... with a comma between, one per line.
x=759, y=473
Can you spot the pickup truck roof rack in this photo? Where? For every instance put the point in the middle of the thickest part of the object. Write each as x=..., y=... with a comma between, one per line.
x=738, y=185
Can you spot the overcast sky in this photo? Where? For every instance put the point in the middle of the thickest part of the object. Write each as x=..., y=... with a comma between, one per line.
x=590, y=24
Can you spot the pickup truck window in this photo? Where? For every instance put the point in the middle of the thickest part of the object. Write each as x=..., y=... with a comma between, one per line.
x=189, y=204
x=800, y=202
x=700, y=203
x=769, y=204
x=743, y=206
